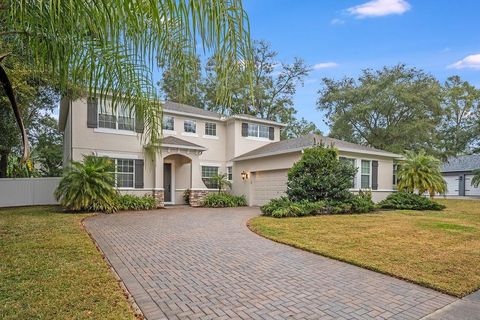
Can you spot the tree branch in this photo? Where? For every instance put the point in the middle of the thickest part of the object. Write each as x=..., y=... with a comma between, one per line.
x=7, y=87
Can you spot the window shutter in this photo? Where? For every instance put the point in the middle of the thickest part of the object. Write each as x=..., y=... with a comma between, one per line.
x=92, y=112
x=139, y=164
x=271, y=133
x=139, y=123
x=244, y=129
x=374, y=175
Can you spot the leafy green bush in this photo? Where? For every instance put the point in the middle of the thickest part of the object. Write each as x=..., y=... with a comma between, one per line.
x=409, y=201
x=88, y=186
x=222, y=200
x=362, y=203
x=284, y=207
x=320, y=175
x=186, y=196
x=131, y=202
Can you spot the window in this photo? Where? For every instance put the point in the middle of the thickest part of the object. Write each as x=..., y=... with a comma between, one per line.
x=126, y=121
x=365, y=170
x=230, y=173
x=106, y=117
x=207, y=173
x=210, y=129
x=257, y=131
x=168, y=123
x=120, y=119
x=395, y=170
x=353, y=163
x=124, y=173
x=190, y=126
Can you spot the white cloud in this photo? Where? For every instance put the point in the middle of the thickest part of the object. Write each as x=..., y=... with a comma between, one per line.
x=325, y=65
x=469, y=62
x=379, y=8
x=337, y=21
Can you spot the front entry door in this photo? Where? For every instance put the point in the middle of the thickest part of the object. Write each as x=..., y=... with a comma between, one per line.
x=167, y=182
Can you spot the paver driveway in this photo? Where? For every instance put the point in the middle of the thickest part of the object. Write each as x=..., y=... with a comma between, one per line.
x=184, y=263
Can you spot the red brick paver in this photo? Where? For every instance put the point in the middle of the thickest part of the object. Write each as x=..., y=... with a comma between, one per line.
x=184, y=263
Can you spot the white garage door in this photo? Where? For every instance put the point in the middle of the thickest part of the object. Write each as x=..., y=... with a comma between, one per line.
x=269, y=185
x=469, y=189
x=452, y=185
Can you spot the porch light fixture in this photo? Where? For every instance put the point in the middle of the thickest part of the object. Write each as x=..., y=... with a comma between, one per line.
x=244, y=175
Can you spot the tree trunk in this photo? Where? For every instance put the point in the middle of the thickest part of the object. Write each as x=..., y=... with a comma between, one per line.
x=3, y=164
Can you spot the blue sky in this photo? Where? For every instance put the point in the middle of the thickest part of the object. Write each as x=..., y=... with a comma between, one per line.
x=343, y=37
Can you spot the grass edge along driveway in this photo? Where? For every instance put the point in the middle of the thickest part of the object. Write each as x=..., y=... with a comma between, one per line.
x=51, y=269
x=440, y=250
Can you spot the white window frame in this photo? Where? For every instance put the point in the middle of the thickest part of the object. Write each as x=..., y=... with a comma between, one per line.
x=214, y=129
x=205, y=177
x=116, y=172
x=116, y=114
x=255, y=133
x=363, y=174
x=194, y=133
x=173, y=122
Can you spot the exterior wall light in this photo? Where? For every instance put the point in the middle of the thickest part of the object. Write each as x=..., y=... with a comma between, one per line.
x=244, y=175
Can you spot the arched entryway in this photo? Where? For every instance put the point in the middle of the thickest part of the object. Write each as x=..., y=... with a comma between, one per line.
x=177, y=177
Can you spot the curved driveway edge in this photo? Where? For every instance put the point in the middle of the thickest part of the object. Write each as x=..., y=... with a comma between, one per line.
x=184, y=263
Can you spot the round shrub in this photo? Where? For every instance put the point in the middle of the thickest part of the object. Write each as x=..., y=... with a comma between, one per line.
x=132, y=202
x=409, y=201
x=320, y=175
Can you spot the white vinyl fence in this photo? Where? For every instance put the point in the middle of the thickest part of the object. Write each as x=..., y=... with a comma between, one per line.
x=27, y=191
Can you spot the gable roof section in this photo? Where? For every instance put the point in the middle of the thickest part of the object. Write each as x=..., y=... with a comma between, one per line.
x=462, y=163
x=173, y=142
x=300, y=143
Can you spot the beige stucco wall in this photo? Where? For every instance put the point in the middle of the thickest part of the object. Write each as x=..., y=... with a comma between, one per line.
x=242, y=145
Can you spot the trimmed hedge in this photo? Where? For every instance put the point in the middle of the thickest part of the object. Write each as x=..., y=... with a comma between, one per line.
x=283, y=207
x=409, y=201
x=131, y=202
x=222, y=200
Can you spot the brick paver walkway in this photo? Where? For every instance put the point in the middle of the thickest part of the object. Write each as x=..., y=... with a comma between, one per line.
x=184, y=263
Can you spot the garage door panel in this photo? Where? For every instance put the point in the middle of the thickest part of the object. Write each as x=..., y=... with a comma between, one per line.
x=269, y=185
x=469, y=189
x=452, y=185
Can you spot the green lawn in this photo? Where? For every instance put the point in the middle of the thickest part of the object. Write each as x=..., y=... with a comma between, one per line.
x=50, y=269
x=440, y=250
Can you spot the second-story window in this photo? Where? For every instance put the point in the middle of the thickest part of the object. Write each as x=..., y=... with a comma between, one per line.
x=258, y=131
x=210, y=129
x=121, y=118
x=190, y=126
x=168, y=123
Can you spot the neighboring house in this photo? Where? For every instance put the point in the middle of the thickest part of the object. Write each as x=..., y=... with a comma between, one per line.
x=198, y=144
x=457, y=172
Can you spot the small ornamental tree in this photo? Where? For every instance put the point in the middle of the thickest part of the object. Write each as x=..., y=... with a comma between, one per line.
x=320, y=175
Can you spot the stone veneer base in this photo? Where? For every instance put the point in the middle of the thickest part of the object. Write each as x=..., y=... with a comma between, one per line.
x=159, y=197
x=196, y=197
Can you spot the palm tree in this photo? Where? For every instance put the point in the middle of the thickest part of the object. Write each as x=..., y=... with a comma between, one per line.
x=476, y=178
x=421, y=172
x=88, y=186
x=110, y=46
x=221, y=181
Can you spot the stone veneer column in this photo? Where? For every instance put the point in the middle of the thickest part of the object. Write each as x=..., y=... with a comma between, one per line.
x=158, y=195
x=196, y=197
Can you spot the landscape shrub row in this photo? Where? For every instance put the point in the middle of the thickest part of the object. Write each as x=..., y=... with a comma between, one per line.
x=284, y=207
x=409, y=201
x=222, y=200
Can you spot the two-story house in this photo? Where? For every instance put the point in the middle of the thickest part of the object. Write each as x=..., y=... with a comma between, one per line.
x=198, y=144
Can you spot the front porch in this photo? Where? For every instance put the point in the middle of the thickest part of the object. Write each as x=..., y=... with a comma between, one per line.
x=178, y=177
